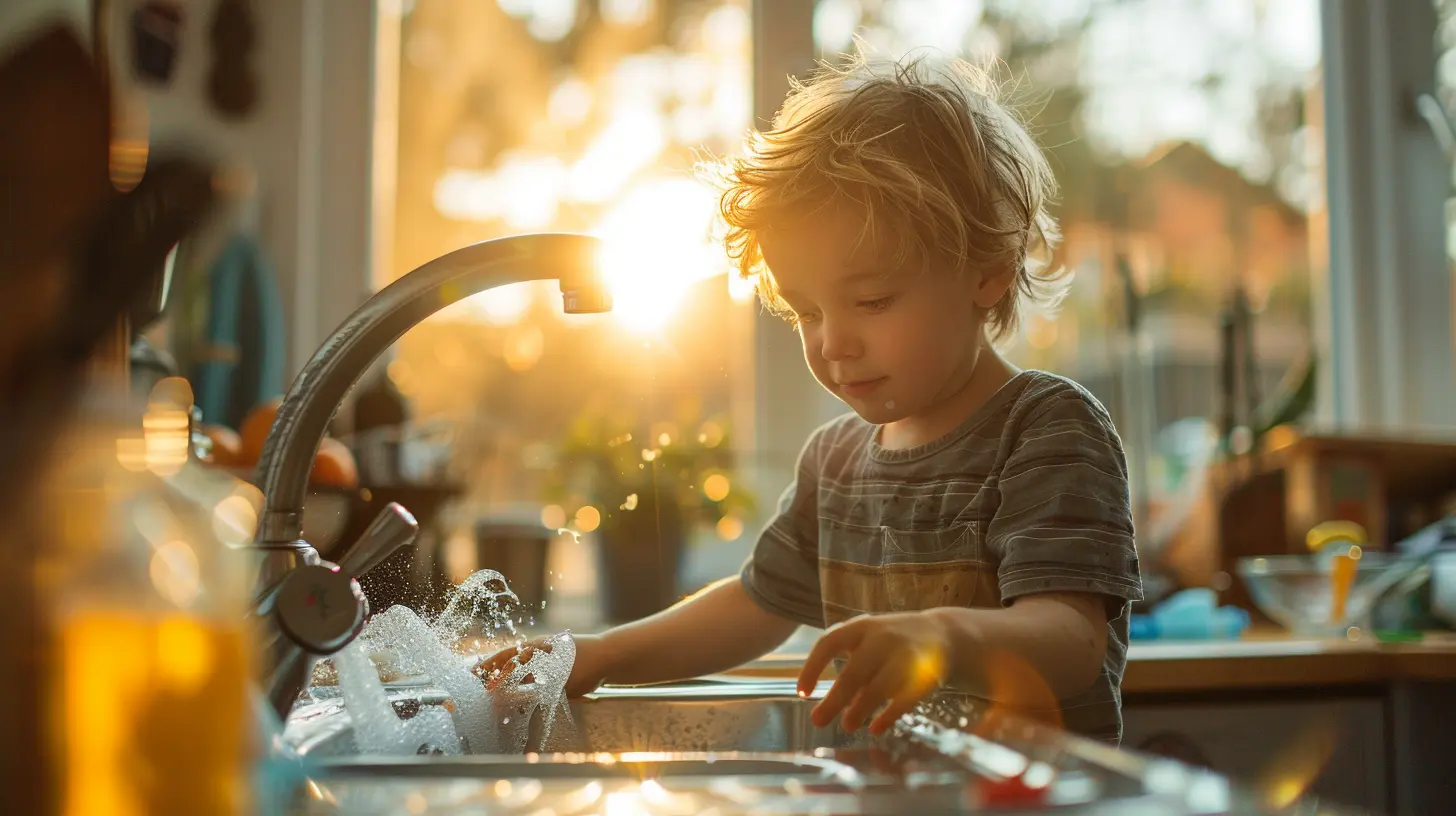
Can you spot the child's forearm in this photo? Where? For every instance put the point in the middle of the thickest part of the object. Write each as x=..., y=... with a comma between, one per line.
x=716, y=629
x=1061, y=637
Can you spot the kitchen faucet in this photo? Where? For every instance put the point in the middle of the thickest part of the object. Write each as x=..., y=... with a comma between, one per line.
x=315, y=608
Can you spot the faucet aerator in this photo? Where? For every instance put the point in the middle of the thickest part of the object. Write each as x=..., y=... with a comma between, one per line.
x=593, y=300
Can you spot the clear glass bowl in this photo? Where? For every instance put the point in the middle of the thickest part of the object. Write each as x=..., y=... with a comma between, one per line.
x=1297, y=591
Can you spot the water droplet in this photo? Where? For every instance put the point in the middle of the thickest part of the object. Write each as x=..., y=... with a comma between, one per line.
x=890, y=405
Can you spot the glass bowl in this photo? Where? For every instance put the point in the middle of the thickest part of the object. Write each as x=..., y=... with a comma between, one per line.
x=1297, y=591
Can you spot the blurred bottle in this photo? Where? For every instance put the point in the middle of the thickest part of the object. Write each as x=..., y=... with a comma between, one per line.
x=148, y=589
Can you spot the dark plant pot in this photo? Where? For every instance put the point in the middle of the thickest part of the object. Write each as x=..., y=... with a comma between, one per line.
x=639, y=556
x=519, y=551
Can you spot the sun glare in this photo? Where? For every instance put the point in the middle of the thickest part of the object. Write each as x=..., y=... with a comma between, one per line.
x=656, y=245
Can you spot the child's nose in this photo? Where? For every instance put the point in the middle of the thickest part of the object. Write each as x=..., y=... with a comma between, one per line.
x=838, y=341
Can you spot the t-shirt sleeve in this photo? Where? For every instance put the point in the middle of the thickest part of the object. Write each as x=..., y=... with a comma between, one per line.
x=1065, y=519
x=782, y=573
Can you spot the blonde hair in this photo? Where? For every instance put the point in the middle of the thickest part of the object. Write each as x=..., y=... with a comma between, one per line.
x=925, y=152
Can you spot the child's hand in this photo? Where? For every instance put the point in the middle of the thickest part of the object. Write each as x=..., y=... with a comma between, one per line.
x=587, y=672
x=894, y=661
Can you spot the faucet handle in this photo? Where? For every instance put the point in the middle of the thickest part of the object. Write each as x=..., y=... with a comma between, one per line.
x=320, y=608
x=393, y=528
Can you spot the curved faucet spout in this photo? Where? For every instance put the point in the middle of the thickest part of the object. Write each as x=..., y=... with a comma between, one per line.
x=320, y=388
x=316, y=394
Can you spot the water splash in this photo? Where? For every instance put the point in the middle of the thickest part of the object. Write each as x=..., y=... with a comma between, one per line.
x=377, y=728
x=523, y=713
x=473, y=711
x=537, y=689
x=482, y=605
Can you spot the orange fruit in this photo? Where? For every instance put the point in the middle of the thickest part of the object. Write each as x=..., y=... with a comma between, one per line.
x=227, y=446
x=254, y=431
x=334, y=465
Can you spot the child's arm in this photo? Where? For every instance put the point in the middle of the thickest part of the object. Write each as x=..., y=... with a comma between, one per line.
x=717, y=629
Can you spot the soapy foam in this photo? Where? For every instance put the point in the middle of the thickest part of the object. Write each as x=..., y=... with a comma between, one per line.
x=473, y=711
x=520, y=715
x=377, y=728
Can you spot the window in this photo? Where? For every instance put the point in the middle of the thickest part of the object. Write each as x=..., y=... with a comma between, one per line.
x=1186, y=136
x=516, y=117
x=1186, y=141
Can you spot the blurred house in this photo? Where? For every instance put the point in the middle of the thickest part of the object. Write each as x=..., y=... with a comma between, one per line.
x=1188, y=229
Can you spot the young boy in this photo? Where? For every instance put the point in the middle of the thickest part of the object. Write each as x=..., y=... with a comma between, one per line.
x=967, y=519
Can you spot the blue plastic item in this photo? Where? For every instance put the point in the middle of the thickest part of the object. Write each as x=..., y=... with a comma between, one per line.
x=242, y=361
x=1192, y=614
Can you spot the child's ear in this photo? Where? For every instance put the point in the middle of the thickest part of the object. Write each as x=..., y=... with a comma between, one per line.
x=993, y=285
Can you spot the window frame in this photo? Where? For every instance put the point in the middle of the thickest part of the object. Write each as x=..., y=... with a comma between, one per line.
x=1387, y=337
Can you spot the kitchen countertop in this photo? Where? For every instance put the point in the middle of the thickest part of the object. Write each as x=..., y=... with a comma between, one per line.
x=1273, y=659
x=1267, y=659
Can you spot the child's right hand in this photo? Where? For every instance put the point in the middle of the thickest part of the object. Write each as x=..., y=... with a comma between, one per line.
x=587, y=672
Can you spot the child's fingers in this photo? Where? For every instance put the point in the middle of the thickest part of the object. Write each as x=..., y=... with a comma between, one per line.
x=846, y=686
x=898, y=707
x=494, y=668
x=529, y=650
x=495, y=662
x=838, y=640
x=865, y=702
x=887, y=683
x=913, y=686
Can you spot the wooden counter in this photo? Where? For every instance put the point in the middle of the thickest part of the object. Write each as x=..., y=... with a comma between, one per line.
x=1266, y=661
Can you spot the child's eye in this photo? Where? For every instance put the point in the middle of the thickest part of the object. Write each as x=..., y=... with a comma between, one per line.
x=878, y=304
x=798, y=319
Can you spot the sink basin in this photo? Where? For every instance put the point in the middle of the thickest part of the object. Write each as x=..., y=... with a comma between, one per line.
x=738, y=747
x=697, y=717
x=637, y=766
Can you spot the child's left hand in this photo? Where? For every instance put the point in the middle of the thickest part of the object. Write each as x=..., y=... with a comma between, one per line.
x=895, y=660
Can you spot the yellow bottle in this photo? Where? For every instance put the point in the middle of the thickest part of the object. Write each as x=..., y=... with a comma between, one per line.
x=149, y=702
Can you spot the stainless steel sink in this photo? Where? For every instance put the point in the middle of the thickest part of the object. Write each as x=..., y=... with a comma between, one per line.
x=643, y=765
x=765, y=716
x=737, y=747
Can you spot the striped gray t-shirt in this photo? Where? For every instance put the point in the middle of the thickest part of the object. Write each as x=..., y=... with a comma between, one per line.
x=1028, y=495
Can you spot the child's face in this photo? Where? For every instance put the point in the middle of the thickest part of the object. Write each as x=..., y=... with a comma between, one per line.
x=891, y=343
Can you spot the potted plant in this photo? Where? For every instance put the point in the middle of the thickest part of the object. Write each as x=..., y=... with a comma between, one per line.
x=645, y=487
